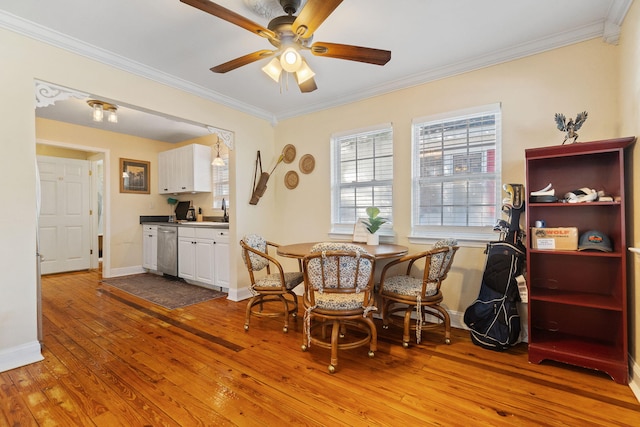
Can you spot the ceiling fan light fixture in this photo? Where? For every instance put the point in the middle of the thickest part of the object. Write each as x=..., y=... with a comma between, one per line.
x=304, y=73
x=273, y=69
x=290, y=60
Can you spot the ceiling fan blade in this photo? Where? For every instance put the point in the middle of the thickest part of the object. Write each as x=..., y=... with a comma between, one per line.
x=307, y=86
x=351, y=53
x=312, y=16
x=243, y=60
x=230, y=16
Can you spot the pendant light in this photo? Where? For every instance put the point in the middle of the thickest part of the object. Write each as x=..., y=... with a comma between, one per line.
x=218, y=160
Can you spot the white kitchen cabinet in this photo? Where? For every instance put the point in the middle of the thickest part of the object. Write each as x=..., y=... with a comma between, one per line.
x=185, y=169
x=203, y=255
x=221, y=259
x=150, y=247
x=165, y=172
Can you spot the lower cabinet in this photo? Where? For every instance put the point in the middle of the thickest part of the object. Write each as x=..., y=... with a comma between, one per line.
x=221, y=259
x=150, y=247
x=203, y=255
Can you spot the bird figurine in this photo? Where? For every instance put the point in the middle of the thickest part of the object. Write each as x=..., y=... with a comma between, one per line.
x=570, y=127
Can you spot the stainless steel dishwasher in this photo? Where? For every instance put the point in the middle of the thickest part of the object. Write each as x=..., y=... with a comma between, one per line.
x=168, y=250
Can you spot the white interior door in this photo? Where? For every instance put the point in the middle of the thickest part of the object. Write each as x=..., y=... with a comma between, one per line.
x=64, y=225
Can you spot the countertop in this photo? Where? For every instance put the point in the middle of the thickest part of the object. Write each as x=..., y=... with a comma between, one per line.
x=203, y=224
x=164, y=221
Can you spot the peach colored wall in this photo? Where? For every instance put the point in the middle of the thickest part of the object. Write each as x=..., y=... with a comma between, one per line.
x=25, y=60
x=630, y=116
x=531, y=90
x=125, y=235
x=53, y=151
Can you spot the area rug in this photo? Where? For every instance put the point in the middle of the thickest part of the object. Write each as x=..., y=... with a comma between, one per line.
x=165, y=291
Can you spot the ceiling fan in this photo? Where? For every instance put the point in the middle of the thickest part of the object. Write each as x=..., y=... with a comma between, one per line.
x=290, y=35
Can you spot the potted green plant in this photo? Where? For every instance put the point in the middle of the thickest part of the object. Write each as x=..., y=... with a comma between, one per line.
x=373, y=224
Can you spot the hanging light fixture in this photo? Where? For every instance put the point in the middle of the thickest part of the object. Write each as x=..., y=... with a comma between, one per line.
x=292, y=62
x=99, y=109
x=304, y=73
x=218, y=160
x=273, y=69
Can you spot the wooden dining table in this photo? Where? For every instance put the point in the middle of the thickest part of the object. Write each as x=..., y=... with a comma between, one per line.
x=379, y=252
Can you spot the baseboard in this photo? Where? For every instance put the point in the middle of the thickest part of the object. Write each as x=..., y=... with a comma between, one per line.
x=239, y=294
x=126, y=271
x=634, y=382
x=19, y=356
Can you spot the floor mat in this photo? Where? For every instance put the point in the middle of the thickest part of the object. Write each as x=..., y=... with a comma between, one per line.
x=165, y=291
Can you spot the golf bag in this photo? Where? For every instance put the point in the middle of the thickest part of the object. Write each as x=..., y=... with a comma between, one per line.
x=493, y=317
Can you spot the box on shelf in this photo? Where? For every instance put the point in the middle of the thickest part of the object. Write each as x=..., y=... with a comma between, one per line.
x=555, y=239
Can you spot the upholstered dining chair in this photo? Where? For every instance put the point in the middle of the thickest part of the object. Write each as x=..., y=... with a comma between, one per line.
x=338, y=280
x=420, y=291
x=268, y=287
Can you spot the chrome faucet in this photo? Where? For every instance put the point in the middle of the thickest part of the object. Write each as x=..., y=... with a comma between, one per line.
x=225, y=215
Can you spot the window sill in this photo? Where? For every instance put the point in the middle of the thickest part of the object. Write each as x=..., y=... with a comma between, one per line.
x=386, y=236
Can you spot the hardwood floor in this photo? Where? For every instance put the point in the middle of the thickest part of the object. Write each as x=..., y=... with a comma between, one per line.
x=113, y=359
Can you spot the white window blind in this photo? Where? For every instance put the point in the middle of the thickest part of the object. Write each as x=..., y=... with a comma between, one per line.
x=220, y=186
x=456, y=173
x=362, y=166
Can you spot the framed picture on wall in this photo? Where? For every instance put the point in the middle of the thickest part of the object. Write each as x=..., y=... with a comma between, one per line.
x=134, y=176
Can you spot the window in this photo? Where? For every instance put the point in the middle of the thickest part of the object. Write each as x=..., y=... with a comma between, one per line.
x=220, y=176
x=362, y=171
x=456, y=174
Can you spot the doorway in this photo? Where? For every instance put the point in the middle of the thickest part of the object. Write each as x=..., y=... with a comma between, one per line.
x=97, y=208
x=64, y=223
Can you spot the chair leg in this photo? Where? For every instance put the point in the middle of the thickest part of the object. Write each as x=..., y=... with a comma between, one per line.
x=446, y=319
x=285, y=328
x=406, y=330
x=385, y=313
x=373, y=343
x=335, y=334
x=295, y=303
x=248, y=312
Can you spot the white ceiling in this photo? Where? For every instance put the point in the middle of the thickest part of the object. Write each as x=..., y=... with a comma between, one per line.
x=176, y=44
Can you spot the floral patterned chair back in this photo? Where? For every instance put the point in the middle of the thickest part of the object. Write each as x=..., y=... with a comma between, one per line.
x=349, y=272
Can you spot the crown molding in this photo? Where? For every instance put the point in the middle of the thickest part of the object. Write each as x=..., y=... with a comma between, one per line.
x=62, y=41
x=608, y=29
x=584, y=33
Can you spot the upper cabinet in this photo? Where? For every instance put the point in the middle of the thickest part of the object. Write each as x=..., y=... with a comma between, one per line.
x=185, y=170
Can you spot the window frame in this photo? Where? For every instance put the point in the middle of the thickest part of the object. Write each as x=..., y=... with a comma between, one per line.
x=340, y=230
x=468, y=235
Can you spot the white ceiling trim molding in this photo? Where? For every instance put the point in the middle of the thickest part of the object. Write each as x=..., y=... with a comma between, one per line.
x=613, y=23
x=608, y=29
x=523, y=50
x=57, y=39
x=48, y=93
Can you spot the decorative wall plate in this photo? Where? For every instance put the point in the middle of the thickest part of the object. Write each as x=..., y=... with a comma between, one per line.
x=307, y=163
x=289, y=152
x=291, y=180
